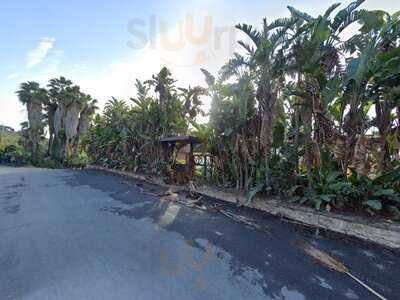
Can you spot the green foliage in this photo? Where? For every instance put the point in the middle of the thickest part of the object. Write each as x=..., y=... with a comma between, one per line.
x=128, y=136
x=331, y=189
x=11, y=151
x=379, y=193
x=321, y=121
x=300, y=113
x=358, y=192
x=80, y=161
x=14, y=155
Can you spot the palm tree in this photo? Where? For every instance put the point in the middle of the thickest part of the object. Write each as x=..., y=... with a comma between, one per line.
x=233, y=127
x=50, y=108
x=31, y=95
x=75, y=103
x=86, y=115
x=65, y=106
x=314, y=55
x=163, y=84
x=264, y=61
x=371, y=79
x=191, y=101
x=58, y=98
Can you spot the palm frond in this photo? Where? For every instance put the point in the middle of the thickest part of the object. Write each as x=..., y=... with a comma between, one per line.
x=302, y=15
x=282, y=22
x=372, y=20
x=278, y=36
x=346, y=16
x=358, y=69
x=232, y=67
x=210, y=79
x=330, y=10
x=250, y=49
x=251, y=32
x=352, y=44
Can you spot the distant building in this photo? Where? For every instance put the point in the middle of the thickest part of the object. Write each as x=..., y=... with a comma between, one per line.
x=6, y=129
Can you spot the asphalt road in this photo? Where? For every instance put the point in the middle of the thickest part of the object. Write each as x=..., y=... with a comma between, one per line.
x=89, y=235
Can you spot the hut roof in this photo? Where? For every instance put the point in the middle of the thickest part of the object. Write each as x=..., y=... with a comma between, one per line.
x=181, y=138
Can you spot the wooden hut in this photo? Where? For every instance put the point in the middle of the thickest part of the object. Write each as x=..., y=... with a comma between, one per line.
x=179, y=154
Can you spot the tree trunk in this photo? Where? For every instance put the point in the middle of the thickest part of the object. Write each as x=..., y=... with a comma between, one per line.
x=397, y=135
x=267, y=101
x=267, y=177
x=71, y=123
x=383, y=110
x=296, y=139
x=51, y=110
x=384, y=152
x=308, y=142
x=35, y=117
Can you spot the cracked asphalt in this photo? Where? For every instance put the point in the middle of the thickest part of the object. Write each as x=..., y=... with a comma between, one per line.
x=68, y=234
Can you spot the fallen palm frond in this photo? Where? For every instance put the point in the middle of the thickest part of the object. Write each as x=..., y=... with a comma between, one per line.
x=150, y=191
x=333, y=264
x=196, y=204
x=240, y=219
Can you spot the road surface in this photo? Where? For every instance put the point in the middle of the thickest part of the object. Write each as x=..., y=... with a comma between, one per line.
x=68, y=234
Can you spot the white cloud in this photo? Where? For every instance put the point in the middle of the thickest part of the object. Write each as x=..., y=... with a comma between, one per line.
x=13, y=76
x=36, y=55
x=118, y=77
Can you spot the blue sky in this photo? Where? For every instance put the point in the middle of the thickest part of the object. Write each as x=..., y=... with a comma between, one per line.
x=89, y=41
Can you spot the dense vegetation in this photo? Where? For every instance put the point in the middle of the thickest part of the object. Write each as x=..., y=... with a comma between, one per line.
x=299, y=112
x=128, y=136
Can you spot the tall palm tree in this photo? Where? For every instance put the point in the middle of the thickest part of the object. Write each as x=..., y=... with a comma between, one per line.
x=314, y=55
x=374, y=74
x=58, y=98
x=264, y=61
x=88, y=110
x=68, y=102
x=31, y=95
x=75, y=103
x=163, y=84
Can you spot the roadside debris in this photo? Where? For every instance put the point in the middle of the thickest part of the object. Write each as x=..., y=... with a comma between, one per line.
x=196, y=204
x=151, y=193
x=240, y=219
x=192, y=190
x=333, y=264
x=193, y=200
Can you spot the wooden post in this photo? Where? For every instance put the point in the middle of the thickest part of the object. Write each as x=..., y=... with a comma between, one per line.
x=191, y=161
x=205, y=167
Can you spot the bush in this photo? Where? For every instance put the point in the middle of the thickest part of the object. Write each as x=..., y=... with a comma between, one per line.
x=81, y=161
x=379, y=194
x=358, y=192
x=13, y=155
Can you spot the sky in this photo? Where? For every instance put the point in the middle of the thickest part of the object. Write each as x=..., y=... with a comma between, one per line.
x=103, y=46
